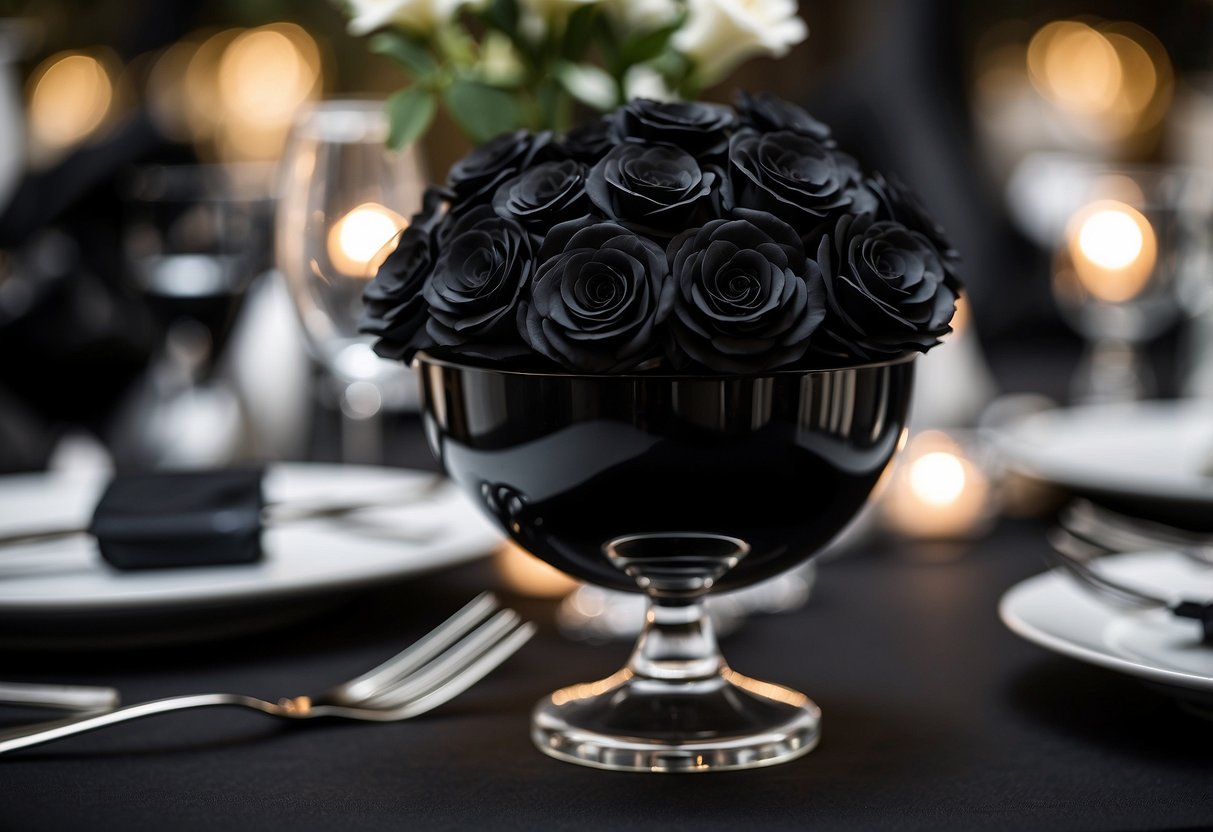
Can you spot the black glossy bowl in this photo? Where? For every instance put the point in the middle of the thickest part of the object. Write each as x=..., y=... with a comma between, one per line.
x=566, y=463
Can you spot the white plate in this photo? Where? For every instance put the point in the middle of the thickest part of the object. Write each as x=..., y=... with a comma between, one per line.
x=66, y=581
x=1153, y=454
x=1055, y=612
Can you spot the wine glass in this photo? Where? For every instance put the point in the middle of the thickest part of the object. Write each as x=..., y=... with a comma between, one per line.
x=675, y=486
x=194, y=237
x=194, y=240
x=343, y=199
x=1135, y=253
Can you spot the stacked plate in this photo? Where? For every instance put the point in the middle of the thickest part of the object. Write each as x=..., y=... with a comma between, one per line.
x=1150, y=460
x=61, y=594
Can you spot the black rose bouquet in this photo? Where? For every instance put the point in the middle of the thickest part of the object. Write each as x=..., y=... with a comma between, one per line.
x=667, y=236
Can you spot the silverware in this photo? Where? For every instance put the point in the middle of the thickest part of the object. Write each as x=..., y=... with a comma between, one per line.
x=1115, y=532
x=67, y=697
x=443, y=664
x=1073, y=555
x=272, y=514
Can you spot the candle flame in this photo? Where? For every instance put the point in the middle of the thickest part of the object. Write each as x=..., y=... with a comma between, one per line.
x=1113, y=248
x=357, y=243
x=937, y=478
x=937, y=491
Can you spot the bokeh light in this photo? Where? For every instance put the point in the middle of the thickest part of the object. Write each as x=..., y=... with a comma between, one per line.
x=357, y=243
x=1075, y=66
x=70, y=96
x=1112, y=79
x=1113, y=249
x=234, y=92
x=936, y=491
x=264, y=76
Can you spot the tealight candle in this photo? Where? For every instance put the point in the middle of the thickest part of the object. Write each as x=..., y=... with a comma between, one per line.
x=358, y=242
x=936, y=492
x=1113, y=249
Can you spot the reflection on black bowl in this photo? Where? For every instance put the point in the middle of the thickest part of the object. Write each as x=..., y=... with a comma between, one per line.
x=566, y=463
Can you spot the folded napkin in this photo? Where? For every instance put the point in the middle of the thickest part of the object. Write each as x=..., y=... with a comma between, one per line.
x=180, y=518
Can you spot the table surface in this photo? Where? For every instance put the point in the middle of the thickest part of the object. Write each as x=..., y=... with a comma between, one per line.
x=935, y=717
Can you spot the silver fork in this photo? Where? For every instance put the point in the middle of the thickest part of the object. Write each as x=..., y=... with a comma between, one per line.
x=66, y=697
x=1073, y=555
x=432, y=671
x=1117, y=532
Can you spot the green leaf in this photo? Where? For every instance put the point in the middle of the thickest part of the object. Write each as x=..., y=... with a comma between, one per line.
x=673, y=67
x=483, y=111
x=406, y=51
x=587, y=83
x=503, y=15
x=578, y=31
x=649, y=45
x=550, y=98
x=409, y=113
x=608, y=42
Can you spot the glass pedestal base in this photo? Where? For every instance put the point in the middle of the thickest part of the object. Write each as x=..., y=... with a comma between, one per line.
x=630, y=723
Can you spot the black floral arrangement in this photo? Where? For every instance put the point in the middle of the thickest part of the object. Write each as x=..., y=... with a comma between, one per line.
x=679, y=236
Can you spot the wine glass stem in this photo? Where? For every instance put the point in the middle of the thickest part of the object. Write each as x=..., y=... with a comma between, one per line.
x=361, y=427
x=1113, y=370
x=677, y=642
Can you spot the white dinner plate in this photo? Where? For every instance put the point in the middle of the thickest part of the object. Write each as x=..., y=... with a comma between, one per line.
x=1057, y=613
x=63, y=591
x=1147, y=458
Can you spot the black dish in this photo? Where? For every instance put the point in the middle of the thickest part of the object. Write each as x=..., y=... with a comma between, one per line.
x=566, y=463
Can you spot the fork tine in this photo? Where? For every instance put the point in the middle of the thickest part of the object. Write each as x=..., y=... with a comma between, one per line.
x=449, y=664
x=1069, y=552
x=1125, y=533
x=422, y=651
x=464, y=677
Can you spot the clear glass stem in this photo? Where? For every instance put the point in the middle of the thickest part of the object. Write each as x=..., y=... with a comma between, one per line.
x=1113, y=370
x=677, y=643
x=361, y=424
x=676, y=706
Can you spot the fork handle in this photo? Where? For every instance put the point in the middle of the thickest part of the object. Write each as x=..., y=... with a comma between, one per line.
x=44, y=732
x=67, y=697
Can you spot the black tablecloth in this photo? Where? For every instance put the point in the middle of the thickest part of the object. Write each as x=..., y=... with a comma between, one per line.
x=935, y=717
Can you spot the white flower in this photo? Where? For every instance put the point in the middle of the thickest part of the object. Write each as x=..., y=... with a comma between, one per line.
x=720, y=34
x=642, y=15
x=499, y=60
x=415, y=15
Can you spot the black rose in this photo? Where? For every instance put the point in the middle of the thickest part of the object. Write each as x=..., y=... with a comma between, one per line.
x=747, y=297
x=544, y=195
x=767, y=113
x=395, y=306
x=698, y=128
x=898, y=202
x=793, y=177
x=473, y=296
x=658, y=189
x=886, y=289
x=597, y=297
x=475, y=177
x=589, y=142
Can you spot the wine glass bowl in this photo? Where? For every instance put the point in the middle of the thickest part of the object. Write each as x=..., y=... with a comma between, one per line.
x=344, y=197
x=674, y=485
x=1134, y=256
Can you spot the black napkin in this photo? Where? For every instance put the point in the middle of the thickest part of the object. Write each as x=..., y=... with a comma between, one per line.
x=180, y=518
